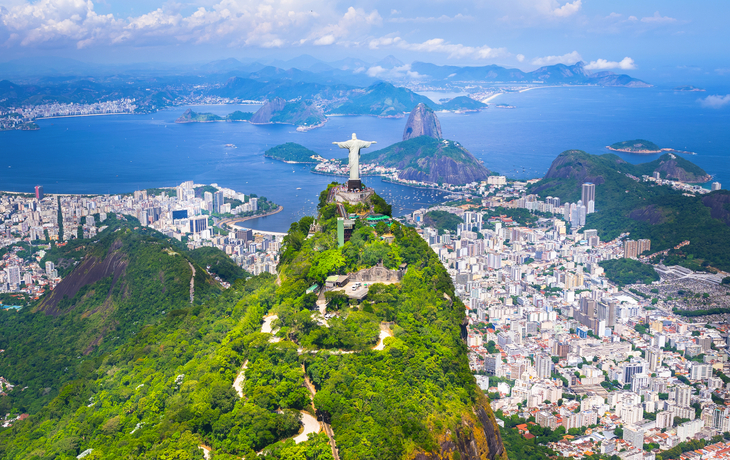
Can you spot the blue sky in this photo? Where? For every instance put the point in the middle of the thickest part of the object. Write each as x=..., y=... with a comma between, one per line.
x=644, y=39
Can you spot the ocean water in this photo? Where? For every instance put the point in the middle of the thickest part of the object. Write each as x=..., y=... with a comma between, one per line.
x=122, y=153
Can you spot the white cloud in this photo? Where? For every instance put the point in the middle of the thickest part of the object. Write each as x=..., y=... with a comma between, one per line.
x=567, y=59
x=440, y=19
x=375, y=71
x=275, y=23
x=439, y=45
x=658, y=19
x=568, y=9
x=613, y=16
x=632, y=18
x=715, y=101
x=520, y=57
x=326, y=40
x=601, y=64
x=396, y=73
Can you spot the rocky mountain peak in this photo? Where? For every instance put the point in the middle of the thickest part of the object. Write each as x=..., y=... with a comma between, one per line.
x=422, y=122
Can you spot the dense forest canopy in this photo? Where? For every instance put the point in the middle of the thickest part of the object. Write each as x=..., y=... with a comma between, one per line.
x=162, y=382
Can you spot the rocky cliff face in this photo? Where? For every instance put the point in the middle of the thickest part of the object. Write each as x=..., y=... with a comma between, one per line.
x=426, y=159
x=476, y=438
x=442, y=169
x=675, y=172
x=268, y=110
x=422, y=122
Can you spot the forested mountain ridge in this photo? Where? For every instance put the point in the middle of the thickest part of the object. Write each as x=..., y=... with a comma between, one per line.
x=169, y=388
x=424, y=158
x=125, y=278
x=645, y=209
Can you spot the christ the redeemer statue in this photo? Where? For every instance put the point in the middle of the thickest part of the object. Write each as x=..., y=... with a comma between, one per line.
x=354, y=145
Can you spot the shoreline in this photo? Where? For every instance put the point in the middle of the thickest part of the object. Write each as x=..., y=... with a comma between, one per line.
x=230, y=223
x=86, y=115
x=637, y=152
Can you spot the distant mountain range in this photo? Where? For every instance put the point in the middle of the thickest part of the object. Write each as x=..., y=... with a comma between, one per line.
x=558, y=74
x=346, y=87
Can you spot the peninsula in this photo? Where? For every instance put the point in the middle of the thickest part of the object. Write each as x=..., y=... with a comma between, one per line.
x=304, y=114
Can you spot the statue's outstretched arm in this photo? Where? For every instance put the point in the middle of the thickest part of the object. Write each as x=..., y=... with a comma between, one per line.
x=340, y=144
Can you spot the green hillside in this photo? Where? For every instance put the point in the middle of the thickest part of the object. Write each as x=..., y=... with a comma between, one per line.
x=239, y=116
x=125, y=279
x=644, y=209
x=382, y=99
x=166, y=386
x=636, y=145
x=463, y=103
x=292, y=152
x=427, y=159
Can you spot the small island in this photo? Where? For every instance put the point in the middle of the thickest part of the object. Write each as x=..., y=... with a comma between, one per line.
x=640, y=146
x=688, y=88
x=292, y=152
x=194, y=117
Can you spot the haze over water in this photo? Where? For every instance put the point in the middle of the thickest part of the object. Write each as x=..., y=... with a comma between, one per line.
x=122, y=153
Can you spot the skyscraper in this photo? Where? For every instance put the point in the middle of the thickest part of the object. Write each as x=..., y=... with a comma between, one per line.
x=588, y=197
x=588, y=193
x=217, y=201
x=716, y=186
x=38, y=192
x=543, y=366
x=13, y=274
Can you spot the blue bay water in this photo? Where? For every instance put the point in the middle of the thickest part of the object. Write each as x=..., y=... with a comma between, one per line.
x=121, y=153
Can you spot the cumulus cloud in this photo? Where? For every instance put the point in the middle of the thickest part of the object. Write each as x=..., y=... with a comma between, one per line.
x=715, y=101
x=439, y=45
x=275, y=23
x=520, y=57
x=602, y=64
x=658, y=19
x=354, y=20
x=441, y=19
x=567, y=59
x=395, y=73
x=568, y=9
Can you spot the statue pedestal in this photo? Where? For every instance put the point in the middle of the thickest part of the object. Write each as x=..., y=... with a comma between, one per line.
x=354, y=184
x=353, y=196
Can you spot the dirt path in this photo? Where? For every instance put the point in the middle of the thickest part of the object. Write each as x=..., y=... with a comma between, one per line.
x=206, y=451
x=325, y=426
x=311, y=425
x=240, y=378
x=192, y=283
x=384, y=333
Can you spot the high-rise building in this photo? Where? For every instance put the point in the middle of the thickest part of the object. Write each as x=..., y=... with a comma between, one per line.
x=38, y=192
x=198, y=224
x=716, y=186
x=634, y=436
x=654, y=357
x=631, y=249
x=50, y=266
x=631, y=369
x=543, y=366
x=13, y=274
x=682, y=395
x=218, y=201
x=588, y=193
x=700, y=371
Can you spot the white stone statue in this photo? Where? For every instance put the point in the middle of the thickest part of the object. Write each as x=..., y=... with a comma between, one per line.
x=354, y=145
